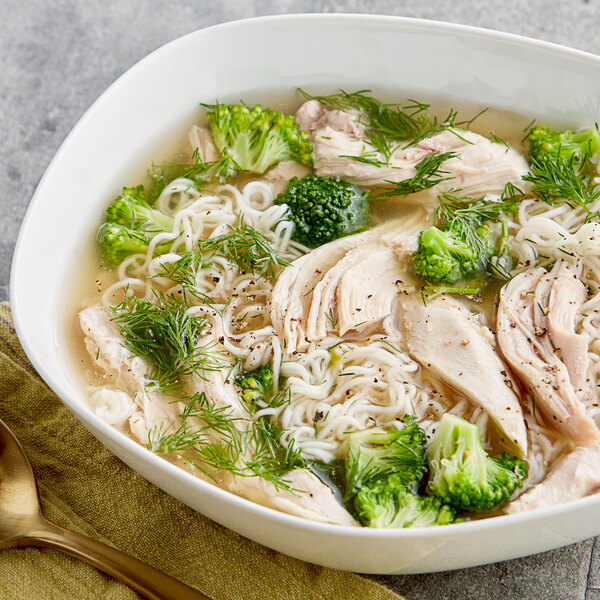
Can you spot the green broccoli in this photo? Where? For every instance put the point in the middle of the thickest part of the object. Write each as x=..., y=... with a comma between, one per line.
x=463, y=475
x=376, y=453
x=561, y=167
x=130, y=225
x=257, y=138
x=383, y=471
x=324, y=209
x=545, y=143
x=444, y=256
x=132, y=210
x=256, y=386
x=387, y=503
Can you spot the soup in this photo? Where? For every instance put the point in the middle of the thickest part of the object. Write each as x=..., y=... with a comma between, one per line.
x=368, y=313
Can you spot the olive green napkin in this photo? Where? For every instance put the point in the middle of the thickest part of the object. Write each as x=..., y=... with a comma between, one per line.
x=85, y=488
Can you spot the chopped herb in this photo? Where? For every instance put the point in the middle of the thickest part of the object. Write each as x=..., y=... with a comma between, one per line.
x=244, y=246
x=246, y=446
x=331, y=318
x=556, y=178
x=429, y=173
x=167, y=337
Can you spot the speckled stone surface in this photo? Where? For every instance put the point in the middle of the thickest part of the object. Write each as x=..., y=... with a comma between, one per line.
x=57, y=57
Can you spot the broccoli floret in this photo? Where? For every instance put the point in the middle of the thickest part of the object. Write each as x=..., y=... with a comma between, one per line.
x=324, y=209
x=118, y=242
x=257, y=138
x=383, y=471
x=463, y=475
x=130, y=225
x=387, y=503
x=444, y=256
x=546, y=144
x=256, y=386
x=132, y=210
x=377, y=453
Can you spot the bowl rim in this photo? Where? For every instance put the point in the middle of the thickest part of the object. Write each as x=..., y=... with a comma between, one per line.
x=84, y=414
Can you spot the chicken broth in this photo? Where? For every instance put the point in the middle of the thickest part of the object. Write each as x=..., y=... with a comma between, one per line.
x=273, y=351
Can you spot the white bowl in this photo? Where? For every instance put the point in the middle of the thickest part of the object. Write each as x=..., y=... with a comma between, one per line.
x=416, y=58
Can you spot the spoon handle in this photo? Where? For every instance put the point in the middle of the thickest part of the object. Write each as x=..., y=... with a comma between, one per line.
x=143, y=578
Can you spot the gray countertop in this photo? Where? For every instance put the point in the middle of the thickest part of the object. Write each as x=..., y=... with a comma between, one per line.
x=57, y=57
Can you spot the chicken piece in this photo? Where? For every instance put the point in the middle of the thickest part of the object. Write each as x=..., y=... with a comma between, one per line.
x=104, y=343
x=575, y=476
x=357, y=293
x=220, y=393
x=566, y=299
x=279, y=176
x=313, y=499
x=346, y=285
x=522, y=324
x=313, y=116
x=443, y=337
x=292, y=293
x=481, y=166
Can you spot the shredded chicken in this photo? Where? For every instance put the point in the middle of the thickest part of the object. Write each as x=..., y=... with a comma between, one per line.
x=481, y=166
x=346, y=286
x=526, y=303
x=575, y=476
x=312, y=499
x=202, y=141
x=105, y=345
x=564, y=309
x=443, y=337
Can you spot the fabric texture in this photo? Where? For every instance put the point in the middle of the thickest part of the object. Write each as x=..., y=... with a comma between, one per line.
x=85, y=488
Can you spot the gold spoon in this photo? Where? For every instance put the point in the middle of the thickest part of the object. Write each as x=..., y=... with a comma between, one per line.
x=22, y=524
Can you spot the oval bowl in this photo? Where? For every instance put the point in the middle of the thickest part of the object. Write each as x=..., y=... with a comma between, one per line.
x=413, y=58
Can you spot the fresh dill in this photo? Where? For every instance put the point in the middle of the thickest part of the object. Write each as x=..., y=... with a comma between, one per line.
x=244, y=446
x=556, y=178
x=497, y=140
x=167, y=337
x=198, y=171
x=246, y=247
x=392, y=121
x=243, y=246
x=466, y=214
x=184, y=272
x=387, y=124
x=429, y=172
x=331, y=318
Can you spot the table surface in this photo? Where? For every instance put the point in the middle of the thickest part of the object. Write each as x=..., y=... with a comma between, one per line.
x=57, y=57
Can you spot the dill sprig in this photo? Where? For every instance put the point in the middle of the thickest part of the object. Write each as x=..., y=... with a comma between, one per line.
x=429, y=173
x=555, y=178
x=465, y=215
x=200, y=172
x=245, y=446
x=393, y=121
x=166, y=337
x=184, y=272
x=246, y=247
x=389, y=126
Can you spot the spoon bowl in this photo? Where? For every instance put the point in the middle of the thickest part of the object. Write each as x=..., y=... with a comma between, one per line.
x=19, y=505
x=22, y=524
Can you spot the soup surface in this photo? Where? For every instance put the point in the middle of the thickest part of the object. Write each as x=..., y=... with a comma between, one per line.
x=362, y=312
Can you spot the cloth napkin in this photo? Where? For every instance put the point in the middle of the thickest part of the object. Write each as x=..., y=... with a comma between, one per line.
x=85, y=488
